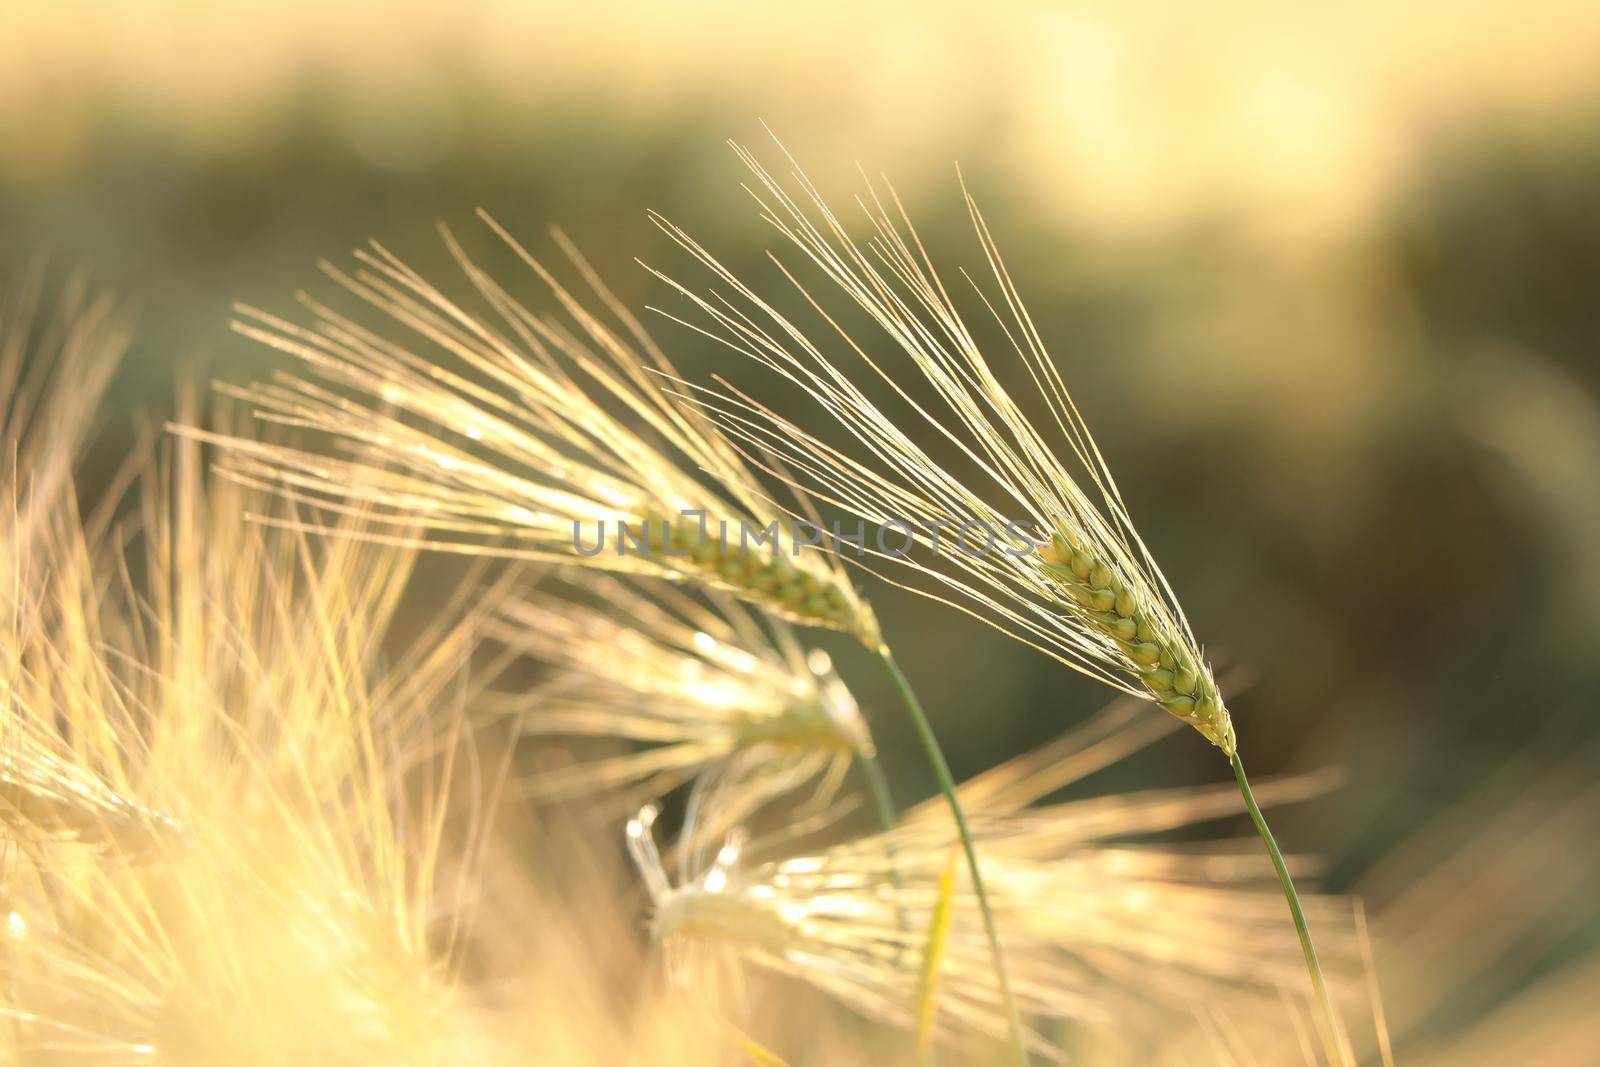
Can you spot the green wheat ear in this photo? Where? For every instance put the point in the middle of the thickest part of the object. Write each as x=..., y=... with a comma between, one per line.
x=793, y=587
x=1110, y=604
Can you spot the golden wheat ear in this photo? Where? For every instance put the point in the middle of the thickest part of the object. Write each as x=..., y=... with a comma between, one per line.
x=235, y=675
x=530, y=426
x=64, y=778
x=55, y=366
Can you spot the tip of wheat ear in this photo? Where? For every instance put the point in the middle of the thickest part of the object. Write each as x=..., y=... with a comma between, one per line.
x=1112, y=606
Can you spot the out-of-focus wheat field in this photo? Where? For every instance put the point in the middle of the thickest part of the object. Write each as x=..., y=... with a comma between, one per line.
x=1324, y=281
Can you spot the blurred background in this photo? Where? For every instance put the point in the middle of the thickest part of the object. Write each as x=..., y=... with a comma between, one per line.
x=1322, y=280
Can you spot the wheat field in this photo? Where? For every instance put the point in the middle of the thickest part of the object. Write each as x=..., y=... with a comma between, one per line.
x=492, y=573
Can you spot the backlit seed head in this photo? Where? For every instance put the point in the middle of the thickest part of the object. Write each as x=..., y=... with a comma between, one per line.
x=526, y=432
x=1091, y=594
x=1167, y=670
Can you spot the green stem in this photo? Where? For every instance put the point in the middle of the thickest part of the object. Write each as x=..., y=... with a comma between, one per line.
x=947, y=786
x=1313, y=965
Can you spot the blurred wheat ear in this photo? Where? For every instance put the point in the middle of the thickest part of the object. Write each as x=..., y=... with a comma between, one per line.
x=60, y=343
x=700, y=687
x=206, y=771
x=1106, y=930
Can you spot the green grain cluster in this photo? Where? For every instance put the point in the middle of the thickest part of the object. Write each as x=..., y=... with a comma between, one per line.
x=770, y=576
x=1112, y=606
x=805, y=726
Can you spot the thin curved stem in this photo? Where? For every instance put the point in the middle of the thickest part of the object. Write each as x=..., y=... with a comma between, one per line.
x=947, y=786
x=1313, y=965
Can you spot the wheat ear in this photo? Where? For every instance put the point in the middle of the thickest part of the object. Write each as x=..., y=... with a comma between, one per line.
x=1110, y=603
